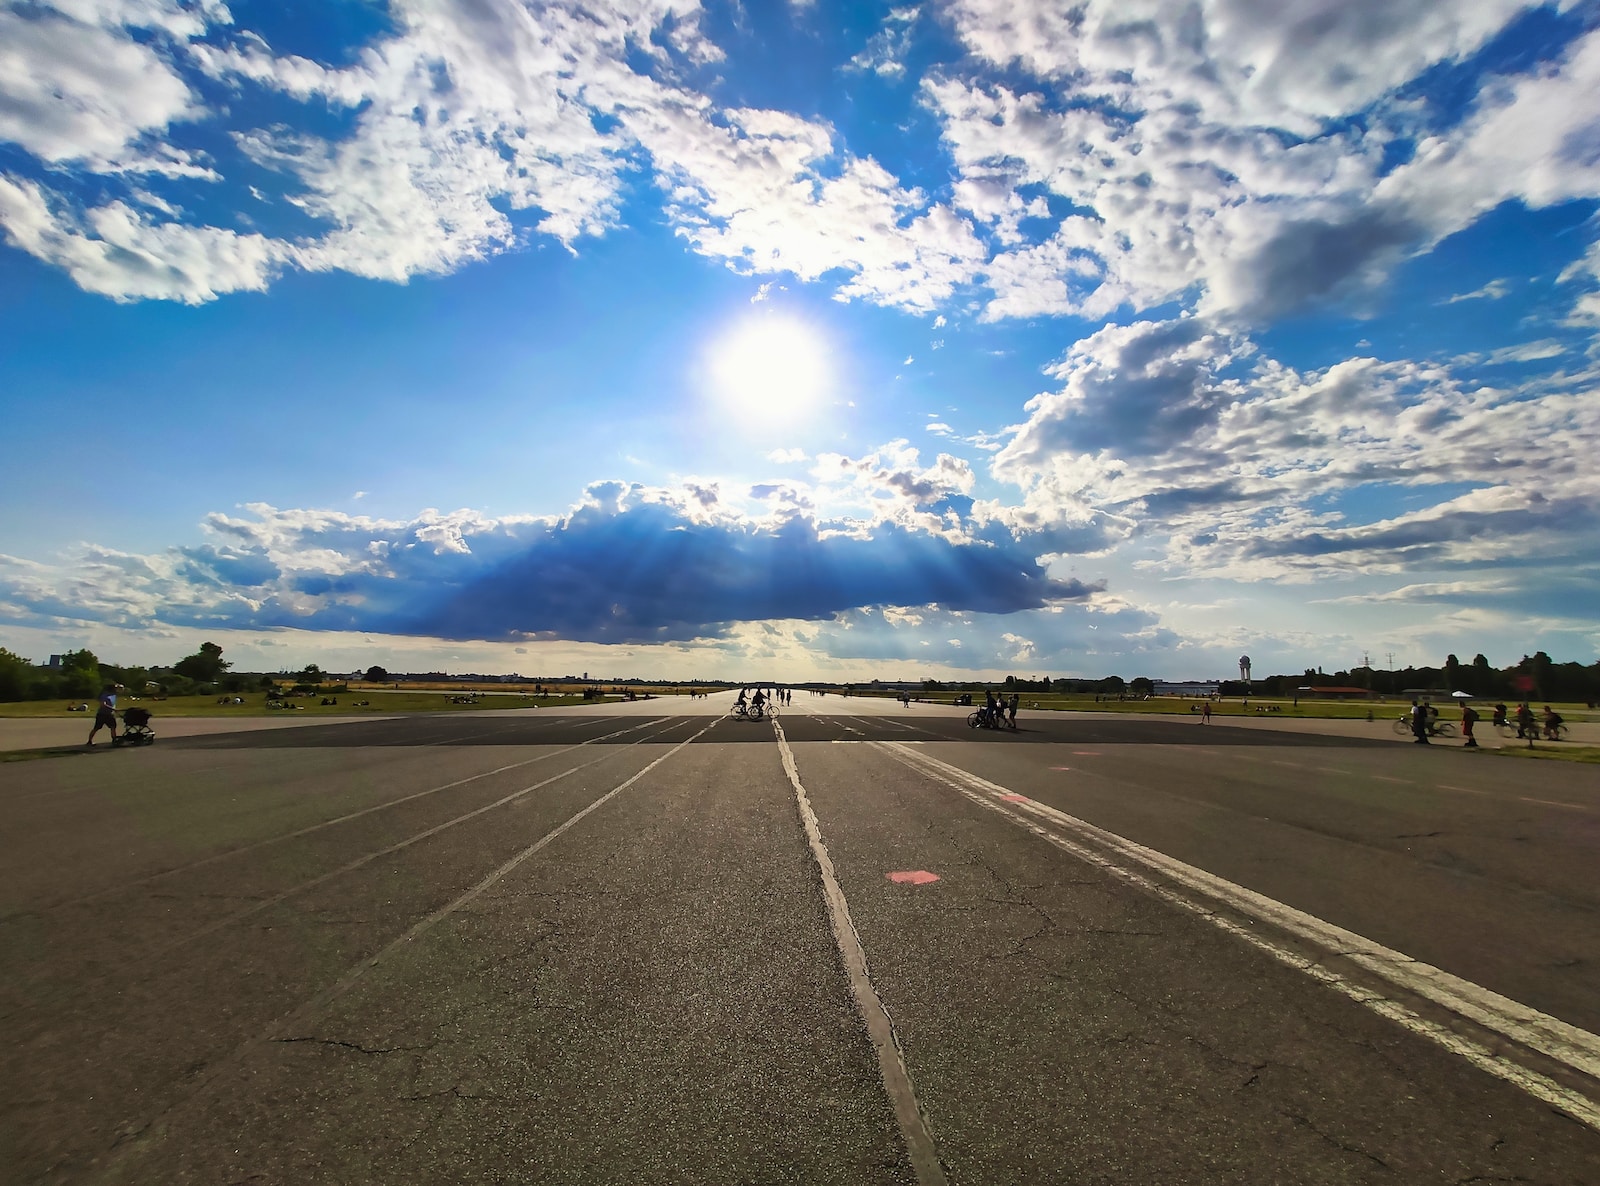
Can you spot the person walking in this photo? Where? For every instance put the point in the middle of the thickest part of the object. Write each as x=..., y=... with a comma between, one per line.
x=105, y=716
x=1419, y=722
x=1205, y=713
x=1469, y=718
x=1011, y=709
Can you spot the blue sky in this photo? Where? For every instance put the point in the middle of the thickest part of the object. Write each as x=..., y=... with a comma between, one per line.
x=800, y=340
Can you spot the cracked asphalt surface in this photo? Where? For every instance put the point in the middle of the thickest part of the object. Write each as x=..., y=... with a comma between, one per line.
x=470, y=949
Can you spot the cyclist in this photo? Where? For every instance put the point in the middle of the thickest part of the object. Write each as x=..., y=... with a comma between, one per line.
x=759, y=704
x=1500, y=714
x=1526, y=726
x=1552, y=724
x=740, y=704
x=1419, y=722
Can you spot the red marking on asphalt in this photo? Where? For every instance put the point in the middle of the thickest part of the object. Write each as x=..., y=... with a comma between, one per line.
x=1011, y=797
x=1061, y=767
x=913, y=877
x=1085, y=753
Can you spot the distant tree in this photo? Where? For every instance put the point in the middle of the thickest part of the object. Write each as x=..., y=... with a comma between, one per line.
x=205, y=666
x=1140, y=686
x=1113, y=683
x=268, y=683
x=377, y=675
x=1452, y=673
x=310, y=674
x=80, y=675
x=16, y=676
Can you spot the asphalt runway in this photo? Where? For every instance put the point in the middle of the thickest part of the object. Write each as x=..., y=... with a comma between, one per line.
x=864, y=944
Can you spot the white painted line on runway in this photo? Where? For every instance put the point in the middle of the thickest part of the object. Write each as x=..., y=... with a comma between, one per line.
x=1385, y=778
x=280, y=1030
x=908, y=1111
x=1555, y=803
x=1464, y=790
x=344, y=819
x=260, y=904
x=1549, y=1036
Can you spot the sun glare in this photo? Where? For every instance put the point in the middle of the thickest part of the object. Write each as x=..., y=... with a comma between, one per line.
x=770, y=368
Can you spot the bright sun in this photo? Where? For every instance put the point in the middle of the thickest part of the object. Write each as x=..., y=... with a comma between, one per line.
x=770, y=369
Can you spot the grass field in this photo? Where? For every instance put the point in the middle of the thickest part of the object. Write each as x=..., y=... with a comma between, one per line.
x=255, y=705
x=1348, y=710
x=1553, y=752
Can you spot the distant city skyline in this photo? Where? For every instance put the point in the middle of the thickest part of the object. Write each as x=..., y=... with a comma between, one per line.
x=814, y=338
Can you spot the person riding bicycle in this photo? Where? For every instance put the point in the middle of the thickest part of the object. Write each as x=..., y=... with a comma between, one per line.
x=1526, y=726
x=1500, y=717
x=759, y=703
x=740, y=703
x=1552, y=724
x=989, y=708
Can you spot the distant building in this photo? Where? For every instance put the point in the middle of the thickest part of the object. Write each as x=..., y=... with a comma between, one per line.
x=1192, y=687
x=55, y=662
x=1330, y=692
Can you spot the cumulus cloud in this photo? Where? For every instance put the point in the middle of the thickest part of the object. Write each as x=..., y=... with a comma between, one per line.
x=629, y=564
x=467, y=113
x=1185, y=431
x=885, y=52
x=1239, y=159
x=1100, y=157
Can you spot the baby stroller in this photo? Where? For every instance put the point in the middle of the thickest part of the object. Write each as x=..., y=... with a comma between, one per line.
x=135, y=728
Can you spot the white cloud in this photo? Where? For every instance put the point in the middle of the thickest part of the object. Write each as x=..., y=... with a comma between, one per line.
x=886, y=51
x=75, y=85
x=1184, y=428
x=122, y=253
x=1491, y=291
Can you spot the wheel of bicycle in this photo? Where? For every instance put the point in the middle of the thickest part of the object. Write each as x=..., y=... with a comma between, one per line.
x=1506, y=729
x=972, y=720
x=1445, y=729
x=1561, y=732
x=1402, y=726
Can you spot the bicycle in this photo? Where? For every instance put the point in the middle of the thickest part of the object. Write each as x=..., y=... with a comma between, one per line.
x=1402, y=726
x=1510, y=729
x=980, y=719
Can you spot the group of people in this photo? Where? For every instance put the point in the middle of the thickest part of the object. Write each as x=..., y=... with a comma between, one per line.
x=759, y=703
x=998, y=710
x=1529, y=726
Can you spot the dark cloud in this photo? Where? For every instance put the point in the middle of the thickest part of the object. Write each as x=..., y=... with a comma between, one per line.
x=618, y=570
x=1540, y=521
x=649, y=575
x=1306, y=261
x=207, y=565
x=1133, y=391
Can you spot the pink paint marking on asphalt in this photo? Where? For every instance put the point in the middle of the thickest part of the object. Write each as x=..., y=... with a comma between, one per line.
x=1085, y=753
x=912, y=877
x=1061, y=767
x=1011, y=797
